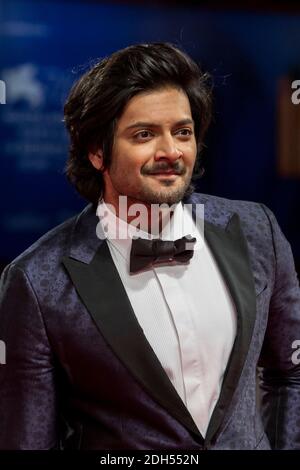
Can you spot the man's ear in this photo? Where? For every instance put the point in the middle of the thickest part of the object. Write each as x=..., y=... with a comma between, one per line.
x=96, y=159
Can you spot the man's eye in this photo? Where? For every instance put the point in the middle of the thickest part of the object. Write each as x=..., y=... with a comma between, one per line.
x=185, y=132
x=142, y=135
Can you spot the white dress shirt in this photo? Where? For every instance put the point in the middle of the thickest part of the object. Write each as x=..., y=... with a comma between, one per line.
x=185, y=311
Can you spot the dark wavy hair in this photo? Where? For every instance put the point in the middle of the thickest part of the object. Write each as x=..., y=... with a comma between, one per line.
x=96, y=102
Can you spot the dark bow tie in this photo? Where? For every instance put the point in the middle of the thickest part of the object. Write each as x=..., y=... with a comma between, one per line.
x=144, y=253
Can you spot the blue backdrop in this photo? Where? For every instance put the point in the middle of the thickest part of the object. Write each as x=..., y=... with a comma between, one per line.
x=46, y=45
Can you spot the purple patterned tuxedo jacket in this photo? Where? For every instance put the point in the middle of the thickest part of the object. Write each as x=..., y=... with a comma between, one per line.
x=81, y=374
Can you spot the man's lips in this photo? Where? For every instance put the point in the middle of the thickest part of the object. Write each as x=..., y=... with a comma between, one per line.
x=165, y=172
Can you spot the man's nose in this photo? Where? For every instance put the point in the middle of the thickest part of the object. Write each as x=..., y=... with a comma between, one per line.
x=167, y=149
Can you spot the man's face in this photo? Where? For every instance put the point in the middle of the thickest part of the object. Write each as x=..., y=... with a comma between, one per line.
x=154, y=149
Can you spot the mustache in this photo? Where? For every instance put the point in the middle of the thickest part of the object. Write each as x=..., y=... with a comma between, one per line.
x=164, y=167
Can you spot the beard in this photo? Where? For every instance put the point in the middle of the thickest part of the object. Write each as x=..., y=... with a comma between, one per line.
x=175, y=194
x=167, y=196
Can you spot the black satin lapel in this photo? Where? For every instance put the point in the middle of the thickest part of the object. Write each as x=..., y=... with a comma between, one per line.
x=231, y=253
x=101, y=289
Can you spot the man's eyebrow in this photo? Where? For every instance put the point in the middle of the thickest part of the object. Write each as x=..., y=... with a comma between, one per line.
x=140, y=124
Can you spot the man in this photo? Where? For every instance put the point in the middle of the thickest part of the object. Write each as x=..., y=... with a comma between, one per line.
x=126, y=335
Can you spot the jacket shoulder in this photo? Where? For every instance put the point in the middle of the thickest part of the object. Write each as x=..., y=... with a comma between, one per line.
x=51, y=246
x=219, y=210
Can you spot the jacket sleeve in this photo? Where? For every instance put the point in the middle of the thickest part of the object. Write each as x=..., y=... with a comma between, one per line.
x=280, y=370
x=27, y=379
